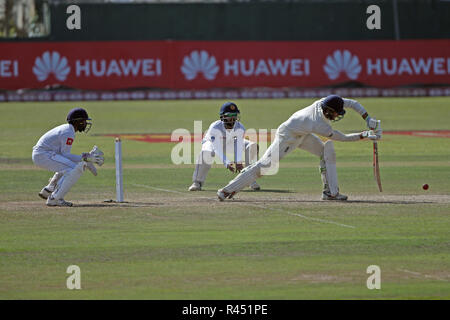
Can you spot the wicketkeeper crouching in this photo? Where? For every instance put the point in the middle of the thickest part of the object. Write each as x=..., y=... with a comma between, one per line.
x=52, y=152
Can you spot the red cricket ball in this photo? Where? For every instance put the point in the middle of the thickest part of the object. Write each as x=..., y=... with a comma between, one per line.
x=425, y=187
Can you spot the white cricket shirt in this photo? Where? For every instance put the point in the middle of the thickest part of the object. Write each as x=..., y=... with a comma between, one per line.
x=58, y=140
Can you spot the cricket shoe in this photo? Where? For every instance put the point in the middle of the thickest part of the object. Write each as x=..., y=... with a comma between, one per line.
x=222, y=195
x=326, y=195
x=52, y=202
x=45, y=193
x=255, y=186
x=196, y=186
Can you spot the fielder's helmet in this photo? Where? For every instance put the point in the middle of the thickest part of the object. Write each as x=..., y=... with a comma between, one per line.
x=229, y=107
x=79, y=117
x=229, y=114
x=331, y=104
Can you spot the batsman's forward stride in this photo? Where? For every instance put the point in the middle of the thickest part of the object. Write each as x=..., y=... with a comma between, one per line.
x=300, y=131
x=52, y=152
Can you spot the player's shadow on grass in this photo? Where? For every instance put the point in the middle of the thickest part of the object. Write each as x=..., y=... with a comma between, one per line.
x=331, y=202
x=389, y=202
x=268, y=190
x=118, y=205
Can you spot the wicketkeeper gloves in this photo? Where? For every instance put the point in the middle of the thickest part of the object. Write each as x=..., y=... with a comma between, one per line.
x=95, y=156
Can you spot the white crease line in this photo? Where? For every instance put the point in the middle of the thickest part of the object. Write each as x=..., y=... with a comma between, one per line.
x=422, y=275
x=159, y=189
x=305, y=217
x=255, y=205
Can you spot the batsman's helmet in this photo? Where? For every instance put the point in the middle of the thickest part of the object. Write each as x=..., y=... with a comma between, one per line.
x=229, y=114
x=331, y=104
x=78, y=117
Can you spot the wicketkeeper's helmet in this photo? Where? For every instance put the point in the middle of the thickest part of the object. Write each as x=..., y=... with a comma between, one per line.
x=79, y=117
x=229, y=114
x=331, y=104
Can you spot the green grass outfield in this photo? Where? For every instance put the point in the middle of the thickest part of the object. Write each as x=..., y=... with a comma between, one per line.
x=280, y=243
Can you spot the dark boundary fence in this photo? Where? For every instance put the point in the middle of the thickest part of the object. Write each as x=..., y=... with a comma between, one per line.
x=262, y=21
x=260, y=93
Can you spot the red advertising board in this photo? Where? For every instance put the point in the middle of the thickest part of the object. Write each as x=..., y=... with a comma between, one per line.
x=113, y=65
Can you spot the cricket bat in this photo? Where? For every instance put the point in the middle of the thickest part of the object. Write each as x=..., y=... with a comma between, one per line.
x=376, y=166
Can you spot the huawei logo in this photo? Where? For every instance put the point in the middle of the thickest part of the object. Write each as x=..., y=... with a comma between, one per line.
x=342, y=61
x=51, y=62
x=199, y=62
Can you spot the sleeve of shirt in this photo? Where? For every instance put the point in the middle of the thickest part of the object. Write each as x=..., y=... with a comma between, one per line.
x=339, y=136
x=66, y=147
x=218, y=145
x=208, y=134
x=355, y=105
x=215, y=135
x=324, y=129
x=240, y=143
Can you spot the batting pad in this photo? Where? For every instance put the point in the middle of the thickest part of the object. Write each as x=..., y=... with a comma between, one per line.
x=244, y=179
x=68, y=180
x=54, y=180
x=323, y=173
x=329, y=156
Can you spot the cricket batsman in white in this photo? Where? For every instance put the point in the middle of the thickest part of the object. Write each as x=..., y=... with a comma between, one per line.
x=300, y=131
x=223, y=137
x=52, y=152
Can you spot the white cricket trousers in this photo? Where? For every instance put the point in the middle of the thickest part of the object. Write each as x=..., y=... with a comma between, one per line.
x=206, y=157
x=282, y=145
x=285, y=144
x=52, y=161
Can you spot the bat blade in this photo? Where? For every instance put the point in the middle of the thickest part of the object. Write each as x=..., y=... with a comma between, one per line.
x=376, y=166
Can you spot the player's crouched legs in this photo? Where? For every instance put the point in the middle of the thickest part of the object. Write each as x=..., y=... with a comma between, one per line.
x=64, y=185
x=202, y=166
x=47, y=161
x=50, y=187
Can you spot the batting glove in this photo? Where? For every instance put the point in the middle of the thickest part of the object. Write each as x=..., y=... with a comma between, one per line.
x=372, y=123
x=379, y=133
x=369, y=134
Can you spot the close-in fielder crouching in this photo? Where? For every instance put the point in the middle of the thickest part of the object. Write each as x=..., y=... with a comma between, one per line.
x=206, y=158
x=299, y=131
x=52, y=152
x=224, y=136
